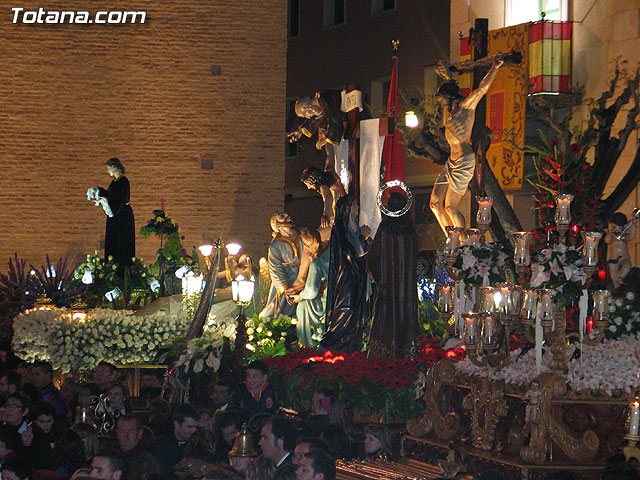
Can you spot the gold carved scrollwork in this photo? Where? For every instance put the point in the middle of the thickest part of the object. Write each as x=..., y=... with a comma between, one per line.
x=444, y=425
x=487, y=404
x=544, y=428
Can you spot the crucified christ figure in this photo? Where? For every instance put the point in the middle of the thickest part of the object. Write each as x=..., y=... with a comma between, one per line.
x=453, y=182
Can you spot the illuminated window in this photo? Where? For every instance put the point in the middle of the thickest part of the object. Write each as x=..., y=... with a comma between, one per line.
x=522, y=11
x=334, y=12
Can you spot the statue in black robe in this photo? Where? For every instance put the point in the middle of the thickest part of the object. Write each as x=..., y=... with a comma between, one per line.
x=120, y=235
x=347, y=312
x=392, y=263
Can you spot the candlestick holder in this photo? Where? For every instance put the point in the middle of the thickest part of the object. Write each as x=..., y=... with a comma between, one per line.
x=631, y=451
x=483, y=232
x=562, y=232
x=524, y=274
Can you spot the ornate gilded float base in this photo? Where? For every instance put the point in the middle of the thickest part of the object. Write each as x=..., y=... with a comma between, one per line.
x=542, y=428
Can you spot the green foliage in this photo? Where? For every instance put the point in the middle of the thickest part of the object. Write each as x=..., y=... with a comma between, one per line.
x=269, y=337
x=431, y=323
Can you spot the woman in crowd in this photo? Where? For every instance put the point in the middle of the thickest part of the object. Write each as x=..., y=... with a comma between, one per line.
x=377, y=441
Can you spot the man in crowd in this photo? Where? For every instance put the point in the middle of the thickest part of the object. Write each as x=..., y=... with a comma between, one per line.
x=229, y=423
x=316, y=465
x=139, y=460
x=169, y=449
x=10, y=382
x=108, y=466
x=221, y=394
x=117, y=398
x=305, y=445
x=104, y=375
x=277, y=440
x=40, y=376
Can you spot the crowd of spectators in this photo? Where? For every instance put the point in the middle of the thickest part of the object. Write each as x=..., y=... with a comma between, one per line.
x=240, y=433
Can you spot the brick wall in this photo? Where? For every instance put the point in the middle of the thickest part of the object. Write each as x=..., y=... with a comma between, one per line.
x=75, y=95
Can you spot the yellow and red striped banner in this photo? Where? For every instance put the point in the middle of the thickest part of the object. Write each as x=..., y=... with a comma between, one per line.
x=507, y=107
x=550, y=56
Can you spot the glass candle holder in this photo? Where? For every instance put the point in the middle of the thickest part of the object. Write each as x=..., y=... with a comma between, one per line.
x=483, y=217
x=590, y=248
x=488, y=329
x=521, y=252
x=515, y=299
x=486, y=299
x=470, y=327
x=503, y=298
x=445, y=297
x=601, y=304
x=453, y=240
x=545, y=304
x=529, y=305
x=473, y=237
x=563, y=208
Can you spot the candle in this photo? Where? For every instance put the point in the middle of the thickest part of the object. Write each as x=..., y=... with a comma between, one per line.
x=515, y=297
x=590, y=248
x=503, y=298
x=473, y=237
x=453, y=240
x=487, y=299
x=483, y=216
x=634, y=418
x=470, y=328
x=445, y=297
x=488, y=329
x=529, y=304
x=601, y=304
x=563, y=208
x=521, y=254
x=545, y=304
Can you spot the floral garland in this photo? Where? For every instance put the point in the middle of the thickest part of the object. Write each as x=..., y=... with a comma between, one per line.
x=561, y=268
x=482, y=265
x=71, y=341
x=609, y=366
x=624, y=315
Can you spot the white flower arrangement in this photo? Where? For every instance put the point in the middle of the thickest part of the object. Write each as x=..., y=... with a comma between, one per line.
x=204, y=354
x=610, y=365
x=562, y=268
x=482, y=265
x=72, y=341
x=624, y=313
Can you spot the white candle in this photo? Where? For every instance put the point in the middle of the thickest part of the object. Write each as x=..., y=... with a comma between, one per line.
x=529, y=304
x=488, y=330
x=590, y=248
x=545, y=304
x=634, y=418
x=521, y=254
x=445, y=297
x=483, y=216
x=470, y=328
x=601, y=304
x=563, y=208
x=453, y=240
x=473, y=237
